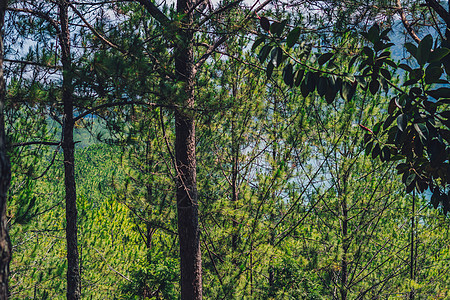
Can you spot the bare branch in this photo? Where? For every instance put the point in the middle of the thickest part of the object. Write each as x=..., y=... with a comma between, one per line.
x=405, y=22
x=94, y=31
x=109, y=267
x=39, y=14
x=440, y=10
x=50, y=164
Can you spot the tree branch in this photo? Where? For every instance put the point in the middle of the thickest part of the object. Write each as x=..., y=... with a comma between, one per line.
x=50, y=164
x=32, y=63
x=39, y=14
x=440, y=10
x=36, y=143
x=94, y=31
x=224, y=38
x=155, y=12
x=405, y=22
x=113, y=104
x=218, y=11
x=109, y=267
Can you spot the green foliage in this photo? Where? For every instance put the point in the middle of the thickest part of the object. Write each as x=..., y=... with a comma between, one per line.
x=419, y=138
x=155, y=277
x=289, y=208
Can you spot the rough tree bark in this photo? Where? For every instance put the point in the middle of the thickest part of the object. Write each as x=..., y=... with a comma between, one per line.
x=345, y=247
x=68, y=146
x=234, y=171
x=5, y=175
x=185, y=161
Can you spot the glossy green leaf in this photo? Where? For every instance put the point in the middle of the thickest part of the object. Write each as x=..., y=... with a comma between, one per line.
x=410, y=179
x=384, y=55
x=435, y=198
x=373, y=34
x=402, y=168
x=324, y=58
x=412, y=49
x=402, y=122
x=385, y=154
x=322, y=86
x=368, y=148
x=348, y=91
x=433, y=73
x=264, y=52
x=292, y=37
x=265, y=24
x=288, y=75
x=333, y=88
x=384, y=33
x=278, y=27
x=405, y=67
x=298, y=76
x=392, y=105
x=376, y=150
x=386, y=74
x=377, y=128
x=439, y=93
x=305, y=86
x=415, y=91
x=269, y=70
x=390, y=63
x=258, y=42
x=388, y=122
x=368, y=51
x=374, y=86
x=424, y=49
x=311, y=81
x=438, y=54
x=351, y=63
x=422, y=130
x=410, y=82
x=276, y=56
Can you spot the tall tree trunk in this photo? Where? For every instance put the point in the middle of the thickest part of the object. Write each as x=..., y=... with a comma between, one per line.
x=5, y=174
x=345, y=246
x=68, y=146
x=234, y=171
x=185, y=161
x=345, y=238
x=412, y=259
x=272, y=201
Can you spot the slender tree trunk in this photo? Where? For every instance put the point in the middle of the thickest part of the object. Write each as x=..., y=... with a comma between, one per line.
x=234, y=171
x=345, y=239
x=234, y=184
x=412, y=252
x=68, y=146
x=185, y=161
x=5, y=175
x=345, y=246
x=149, y=164
x=272, y=201
x=271, y=268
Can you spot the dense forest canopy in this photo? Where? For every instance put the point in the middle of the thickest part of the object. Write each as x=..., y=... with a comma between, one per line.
x=224, y=149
